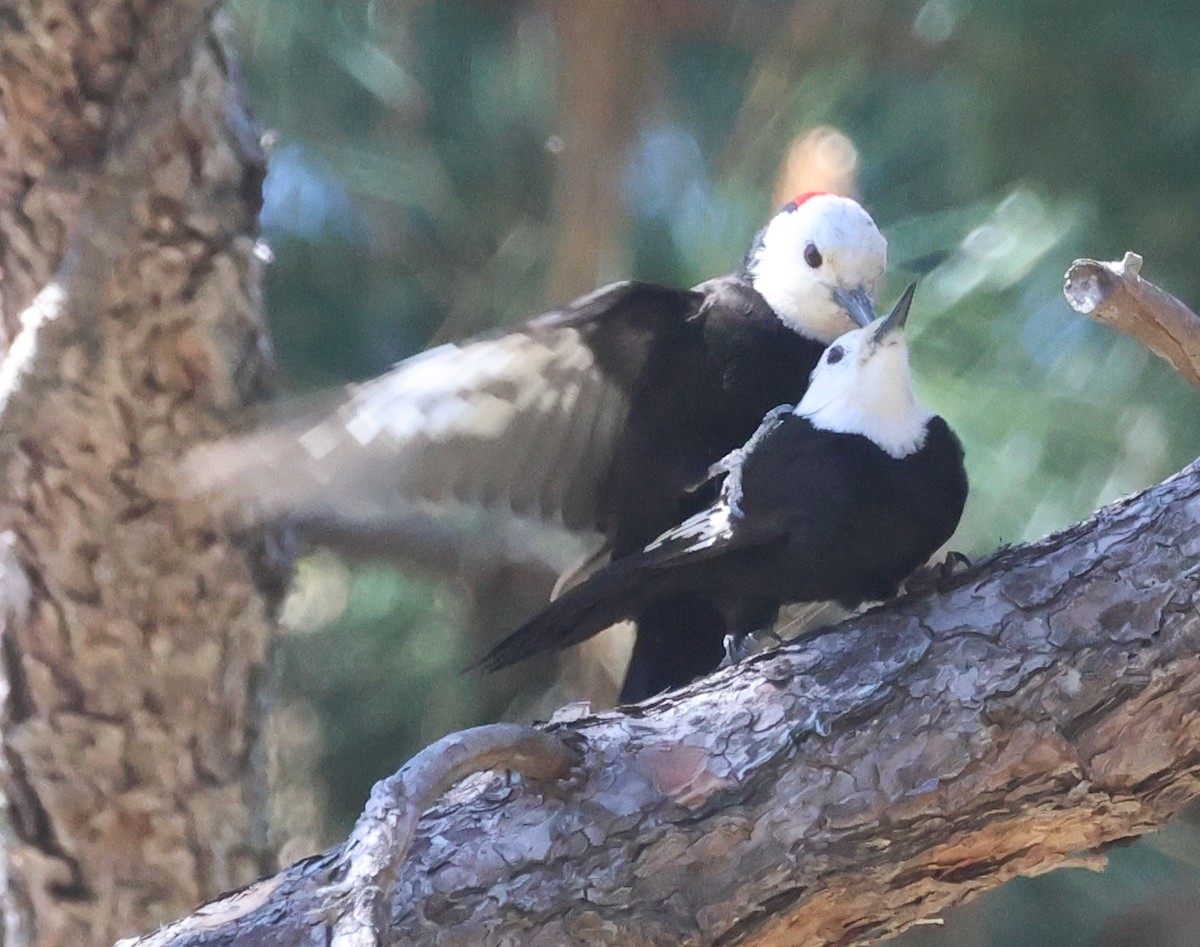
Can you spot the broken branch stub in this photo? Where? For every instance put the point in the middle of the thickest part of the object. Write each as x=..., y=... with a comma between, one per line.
x=1117, y=295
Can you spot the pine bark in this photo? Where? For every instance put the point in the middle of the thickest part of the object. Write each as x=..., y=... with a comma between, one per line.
x=134, y=631
x=1038, y=706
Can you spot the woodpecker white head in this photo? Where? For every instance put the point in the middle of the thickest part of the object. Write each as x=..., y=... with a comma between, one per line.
x=862, y=385
x=818, y=263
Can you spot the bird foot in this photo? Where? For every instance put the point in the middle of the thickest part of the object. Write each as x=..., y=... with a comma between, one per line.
x=738, y=647
x=929, y=577
x=955, y=563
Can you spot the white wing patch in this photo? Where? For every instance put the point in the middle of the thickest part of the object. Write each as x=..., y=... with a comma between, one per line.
x=700, y=531
x=463, y=389
x=523, y=422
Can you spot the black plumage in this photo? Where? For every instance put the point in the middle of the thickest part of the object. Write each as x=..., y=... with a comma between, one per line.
x=700, y=369
x=806, y=513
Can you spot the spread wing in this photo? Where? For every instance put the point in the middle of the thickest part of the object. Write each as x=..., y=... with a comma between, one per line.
x=526, y=420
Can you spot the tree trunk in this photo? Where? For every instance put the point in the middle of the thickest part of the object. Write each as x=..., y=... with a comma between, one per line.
x=1040, y=705
x=605, y=61
x=134, y=633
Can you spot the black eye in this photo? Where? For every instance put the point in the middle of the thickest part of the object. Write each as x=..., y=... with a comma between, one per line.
x=812, y=256
x=834, y=355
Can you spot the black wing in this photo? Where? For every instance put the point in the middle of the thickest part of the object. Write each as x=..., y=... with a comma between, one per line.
x=526, y=420
x=619, y=590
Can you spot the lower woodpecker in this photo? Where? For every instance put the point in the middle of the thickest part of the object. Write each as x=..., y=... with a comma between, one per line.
x=840, y=498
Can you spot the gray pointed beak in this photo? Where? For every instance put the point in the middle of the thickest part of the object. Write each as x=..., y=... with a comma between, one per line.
x=895, y=319
x=857, y=304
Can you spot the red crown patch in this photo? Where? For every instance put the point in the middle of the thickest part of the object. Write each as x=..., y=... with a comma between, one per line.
x=801, y=198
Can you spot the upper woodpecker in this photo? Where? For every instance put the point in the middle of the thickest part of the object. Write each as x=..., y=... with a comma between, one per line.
x=599, y=416
x=841, y=497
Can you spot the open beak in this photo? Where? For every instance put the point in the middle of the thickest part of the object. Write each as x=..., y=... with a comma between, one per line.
x=895, y=319
x=857, y=304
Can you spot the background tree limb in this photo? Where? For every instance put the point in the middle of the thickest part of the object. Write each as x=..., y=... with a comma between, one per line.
x=1043, y=704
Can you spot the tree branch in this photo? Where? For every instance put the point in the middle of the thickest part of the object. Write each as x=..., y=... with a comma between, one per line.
x=1116, y=294
x=1040, y=705
x=373, y=854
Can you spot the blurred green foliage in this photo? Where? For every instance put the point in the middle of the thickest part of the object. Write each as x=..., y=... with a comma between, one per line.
x=394, y=676
x=411, y=197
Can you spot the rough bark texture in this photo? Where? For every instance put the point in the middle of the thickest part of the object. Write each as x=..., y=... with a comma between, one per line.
x=359, y=899
x=1040, y=705
x=134, y=634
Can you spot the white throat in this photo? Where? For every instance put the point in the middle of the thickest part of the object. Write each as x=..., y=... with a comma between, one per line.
x=871, y=396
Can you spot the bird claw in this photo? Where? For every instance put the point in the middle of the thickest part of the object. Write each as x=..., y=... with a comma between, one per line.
x=930, y=577
x=733, y=645
x=738, y=647
x=955, y=563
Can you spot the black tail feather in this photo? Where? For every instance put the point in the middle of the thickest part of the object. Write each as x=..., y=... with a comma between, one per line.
x=611, y=595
